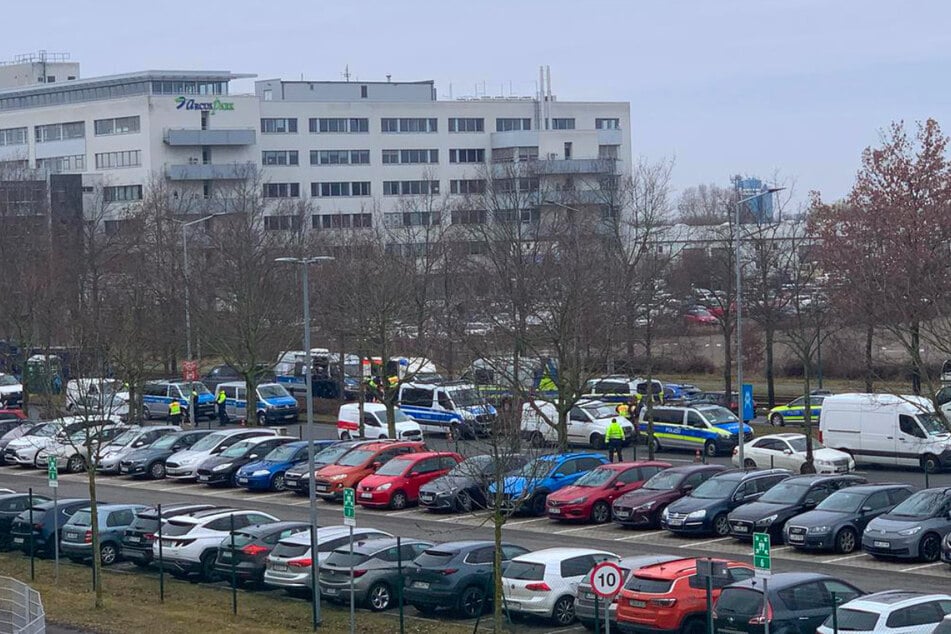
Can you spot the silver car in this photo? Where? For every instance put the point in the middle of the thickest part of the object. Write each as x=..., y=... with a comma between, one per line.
x=375, y=565
x=127, y=442
x=912, y=530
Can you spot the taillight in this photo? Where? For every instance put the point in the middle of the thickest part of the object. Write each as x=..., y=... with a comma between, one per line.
x=820, y=435
x=449, y=571
x=763, y=617
x=359, y=573
x=736, y=450
x=663, y=603
x=37, y=527
x=88, y=537
x=538, y=587
x=253, y=549
x=149, y=536
x=305, y=562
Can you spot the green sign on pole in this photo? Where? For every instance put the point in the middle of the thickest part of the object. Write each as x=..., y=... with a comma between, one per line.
x=349, y=515
x=762, y=561
x=51, y=472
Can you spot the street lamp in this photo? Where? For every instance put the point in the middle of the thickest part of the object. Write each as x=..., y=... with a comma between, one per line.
x=739, y=320
x=188, y=316
x=305, y=266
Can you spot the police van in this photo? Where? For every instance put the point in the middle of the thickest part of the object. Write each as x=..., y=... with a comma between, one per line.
x=450, y=407
x=157, y=395
x=711, y=429
x=274, y=403
x=587, y=423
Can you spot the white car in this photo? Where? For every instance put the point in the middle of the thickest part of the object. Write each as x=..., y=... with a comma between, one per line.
x=73, y=452
x=788, y=451
x=24, y=450
x=183, y=465
x=190, y=542
x=127, y=442
x=545, y=582
x=289, y=564
x=587, y=422
x=375, y=423
x=890, y=612
x=97, y=395
x=9, y=387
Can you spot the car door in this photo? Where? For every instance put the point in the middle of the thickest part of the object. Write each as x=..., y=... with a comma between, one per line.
x=372, y=427
x=240, y=402
x=809, y=603
x=873, y=506
x=577, y=423
x=418, y=475
x=909, y=441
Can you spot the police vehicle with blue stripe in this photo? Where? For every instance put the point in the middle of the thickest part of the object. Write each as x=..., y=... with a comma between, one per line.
x=454, y=407
x=712, y=429
x=157, y=395
x=274, y=403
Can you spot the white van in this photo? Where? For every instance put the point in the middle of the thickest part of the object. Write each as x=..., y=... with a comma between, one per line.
x=588, y=423
x=886, y=429
x=374, y=422
x=96, y=395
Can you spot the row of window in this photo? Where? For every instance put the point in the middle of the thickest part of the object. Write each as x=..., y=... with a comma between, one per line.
x=362, y=157
x=361, y=125
x=112, y=160
x=70, y=130
x=328, y=221
x=400, y=219
x=336, y=189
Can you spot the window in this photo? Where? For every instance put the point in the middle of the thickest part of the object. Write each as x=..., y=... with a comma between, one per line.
x=59, y=164
x=468, y=217
x=410, y=188
x=607, y=124
x=410, y=157
x=111, y=160
x=122, y=193
x=877, y=500
x=344, y=221
x=409, y=124
x=414, y=219
x=504, y=124
x=577, y=566
x=568, y=150
x=418, y=397
x=279, y=157
x=897, y=496
x=563, y=124
x=630, y=476
x=339, y=125
x=279, y=126
x=333, y=189
x=467, y=156
x=467, y=186
x=119, y=125
x=363, y=92
x=340, y=157
x=60, y=131
x=466, y=124
x=13, y=136
x=282, y=190
x=909, y=425
x=806, y=596
x=281, y=223
x=608, y=152
x=482, y=555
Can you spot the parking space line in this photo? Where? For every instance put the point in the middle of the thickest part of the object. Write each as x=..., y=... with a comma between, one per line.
x=523, y=522
x=847, y=557
x=262, y=496
x=574, y=530
x=704, y=542
x=931, y=565
x=781, y=548
x=402, y=513
x=638, y=535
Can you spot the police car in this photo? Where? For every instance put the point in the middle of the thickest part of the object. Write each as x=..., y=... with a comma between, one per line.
x=795, y=410
x=156, y=396
x=711, y=429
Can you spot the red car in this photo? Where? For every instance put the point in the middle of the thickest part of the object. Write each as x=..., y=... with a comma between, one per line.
x=699, y=316
x=590, y=498
x=396, y=484
x=9, y=413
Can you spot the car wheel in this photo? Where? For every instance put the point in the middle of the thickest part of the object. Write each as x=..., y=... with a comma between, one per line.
x=464, y=501
x=157, y=470
x=721, y=526
x=929, y=548
x=345, y=435
x=398, y=500
x=656, y=444
x=536, y=506
x=146, y=414
x=471, y=603
x=277, y=482
x=76, y=464
x=537, y=440
x=108, y=554
x=930, y=463
x=776, y=420
x=749, y=463
x=600, y=512
x=597, y=441
x=379, y=597
x=845, y=541
x=208, y=565
x=710, y=449
x=655, y=518
x=233, y=480
x=564, y=611
x=694, y=626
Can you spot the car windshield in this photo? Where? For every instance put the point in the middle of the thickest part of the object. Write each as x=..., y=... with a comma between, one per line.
x=330, y=454
x=601, y=410
x=49, y=429
x=715, y=489
x=6, y=379
x=80, y=518
x=842, y=502
x=921, y=504
x=536, y=468
x=718, y=415
x=208, y=442
x=394, y=467
x=238, y=450
x=165, y=442
x=282, y=453
x=464, y=397
x=473, y=466
x=272, y=391
x=197, y=386
x=125, y=438
x=664, y=481
x=785, y=493
x=933, y=424
x=799, y=444
x=596, y=477
x=355, y=458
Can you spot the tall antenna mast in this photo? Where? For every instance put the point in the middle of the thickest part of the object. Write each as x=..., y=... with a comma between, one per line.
x=346, y=72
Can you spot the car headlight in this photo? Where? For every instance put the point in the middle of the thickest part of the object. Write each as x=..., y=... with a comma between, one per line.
x=666, y=513
x=260, y=472
x=580, y=500
x=468, y=415
x=826, y=463
x=442, y=494
x=384, y=487
x=646, y=507
x=766, y=521
x=695, y=515
x=223, y=467
x=338, y=477
x=910, y=531
x=820, y=529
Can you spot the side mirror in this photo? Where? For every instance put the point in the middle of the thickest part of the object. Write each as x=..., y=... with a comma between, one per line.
x=866, y=509
x=619, y=485
x=687, y=488
x=376, y=465
x=810, y=503
x=788, y=452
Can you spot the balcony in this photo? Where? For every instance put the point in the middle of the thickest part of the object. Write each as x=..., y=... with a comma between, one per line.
x=207, y=172
x=574, y=166
x=578, y=197
x=221, y=136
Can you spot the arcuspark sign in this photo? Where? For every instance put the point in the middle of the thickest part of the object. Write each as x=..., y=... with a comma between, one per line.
x=187, y=103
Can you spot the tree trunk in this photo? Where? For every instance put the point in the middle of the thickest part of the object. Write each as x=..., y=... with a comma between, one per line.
x=770, y=377
x=869, y=371
x=916, y=357
x=809, y=467
x=94, y=525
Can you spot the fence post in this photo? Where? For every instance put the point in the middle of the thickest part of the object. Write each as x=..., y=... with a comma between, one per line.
x=161, y=566
x=234, y=578
x=399, y=581
x=32, y=559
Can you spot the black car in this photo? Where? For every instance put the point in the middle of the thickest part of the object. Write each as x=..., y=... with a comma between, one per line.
x=465, y=487
x=787, y=499
x=222, y=469
x=142, y=533
x=838, y=521
x=296, y=480
x=706, y=508
x=455, y=575
x=798, y=602
x=643, y=507
x=252, y=544
x=149, y=461
x=11, y=505
x=45, y=530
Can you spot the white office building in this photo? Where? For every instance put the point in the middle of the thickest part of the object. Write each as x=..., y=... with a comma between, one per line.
x=351, y=150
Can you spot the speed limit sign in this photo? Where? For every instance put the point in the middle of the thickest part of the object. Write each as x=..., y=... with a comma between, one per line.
x=606, y=579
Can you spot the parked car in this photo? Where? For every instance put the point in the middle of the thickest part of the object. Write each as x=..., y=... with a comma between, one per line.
x=149, y=461
x=272, y=402
x=944, y=627
x=837, y=523
x=585, y=598
x=912, y=530
x=705, y=510
x=794, y=412
x=26, y=428
x=11, y=505
x=156, y=396
x=357, y=464
x=267, y=474
x=138, y=538
x=708, y=428
x=374, y=565
x=455, y=575
x=11, y=419
x=246, y=555
x=190, y=541
x=587, y=423
x=785, y=500
x=396, y=484
x=375, y=422
x=113, y=520
x=699, y=316
x=128, y=441
x=669, y=597
x=527, y=489
x=890, y=612
x=545, y=582
x=73, y=453
x=25, y=449
x=643, y=507
x=297, y=479
x=465, y=487
x=222, y=469
x=788, y=451
x=47, y=526
x=591, y=496
x=183, y=465
x=796, y=602
x=11, y=390
x=289, y=564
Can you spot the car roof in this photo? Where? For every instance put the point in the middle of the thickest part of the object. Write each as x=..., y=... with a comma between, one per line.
x=271, y=527
x=105, y=508
x=259, y=439
x=822, y=477
x=636, y=562
x=199, y=516
x=895, y=598
x=785, y=436
x=551, y=457
x=67, y=502
x=620, y=466
x=693, y=468
x=780, y=580
x=559, y=553
x=375, y=545
x=741, y=474
x=424, y=454
x=678, y=567
x=171, y=510
x=462, y=546
x=328, y=532
x=872, y=487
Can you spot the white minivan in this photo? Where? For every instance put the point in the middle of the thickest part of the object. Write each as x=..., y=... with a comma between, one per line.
x=375, y=423
x=887, y=429
x=588, y=423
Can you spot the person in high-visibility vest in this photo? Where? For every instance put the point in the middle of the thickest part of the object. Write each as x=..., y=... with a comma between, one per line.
x=622, y=410
x=393, y=380
x=615, y=437
x=175, y=412
x=222, y=411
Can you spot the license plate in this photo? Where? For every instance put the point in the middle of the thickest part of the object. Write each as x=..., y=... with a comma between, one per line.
x=741, y=529
x=291, y=484
x=225, y=555
x=589, y=596
x=638, y=604
x=72, y=535
x=422, y=585
x=675, y=522
x=330, y=591
x=553, y=510
x=242, y=480
x=797, y=538
x=622, y=514
x=166, y=543
x=203, y=478
x=279, y=567
x=133, y=539
x=841, y=469
x=426, y=496
x=322, y=487
x=881, y=544
x=366, y=496
x=17, y=540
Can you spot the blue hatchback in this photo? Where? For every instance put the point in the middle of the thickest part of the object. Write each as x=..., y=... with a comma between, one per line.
x=527, y=489
x=268, y=474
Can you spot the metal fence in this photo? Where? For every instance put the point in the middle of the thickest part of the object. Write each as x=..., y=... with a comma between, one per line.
x=21, y=610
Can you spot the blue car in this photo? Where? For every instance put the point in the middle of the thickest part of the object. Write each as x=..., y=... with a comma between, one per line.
x=527, y=489
x=268, y=474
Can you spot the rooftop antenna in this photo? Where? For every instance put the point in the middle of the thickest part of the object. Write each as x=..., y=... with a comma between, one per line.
x=346, y=72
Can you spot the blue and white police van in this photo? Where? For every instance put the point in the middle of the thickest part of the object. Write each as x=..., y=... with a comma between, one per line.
x=157, y=395
x=452, y=406
x=274, y=403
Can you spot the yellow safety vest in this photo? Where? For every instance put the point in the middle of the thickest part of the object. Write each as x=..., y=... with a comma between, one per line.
x=393, y=381
x=221, y=397
x=174, y=408
x=615, y=431
x=623, y=409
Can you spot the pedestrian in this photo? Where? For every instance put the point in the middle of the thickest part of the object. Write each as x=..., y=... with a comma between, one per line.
x=222, y=410
x=622, y=409
x=193, y=409
x=175, y=412
x=615, y=438
x=638, y=406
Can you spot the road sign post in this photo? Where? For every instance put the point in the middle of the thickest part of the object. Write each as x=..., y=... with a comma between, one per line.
x=51, y=472
x=606, y=580
x=762, y=561
x=349, y=513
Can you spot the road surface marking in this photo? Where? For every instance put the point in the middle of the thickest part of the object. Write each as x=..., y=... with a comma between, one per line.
x=522, y=522
x=847, y=557
x=932, y=565
x=704, y=542
x=574, y=530
x=401, y=513
x=639, y=535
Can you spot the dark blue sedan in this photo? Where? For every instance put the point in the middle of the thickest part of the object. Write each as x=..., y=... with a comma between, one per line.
x=268, y=474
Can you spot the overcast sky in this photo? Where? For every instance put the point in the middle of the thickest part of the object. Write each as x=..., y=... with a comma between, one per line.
x=760, y=87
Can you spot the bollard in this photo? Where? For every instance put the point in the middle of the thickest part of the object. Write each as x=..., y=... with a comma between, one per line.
x=927, y=480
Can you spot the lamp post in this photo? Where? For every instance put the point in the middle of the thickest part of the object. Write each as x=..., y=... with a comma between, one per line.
x=739, y=319
x=305, y=266
x=188, y=315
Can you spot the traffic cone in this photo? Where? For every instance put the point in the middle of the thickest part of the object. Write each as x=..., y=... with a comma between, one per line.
x=696, y=457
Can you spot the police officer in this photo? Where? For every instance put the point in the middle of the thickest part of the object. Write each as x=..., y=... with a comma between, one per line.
x=622, y=409
x=175, y=412
x=615, y=438
x=222, y=412
x=193, y=410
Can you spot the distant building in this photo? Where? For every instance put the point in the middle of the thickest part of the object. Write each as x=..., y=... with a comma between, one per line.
x=758, y=210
